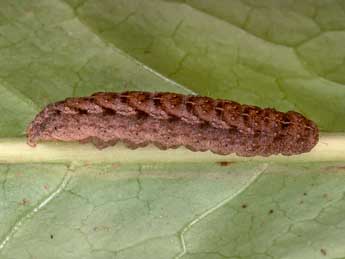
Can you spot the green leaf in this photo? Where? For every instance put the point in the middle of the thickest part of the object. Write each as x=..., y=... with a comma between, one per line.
x=64, y=200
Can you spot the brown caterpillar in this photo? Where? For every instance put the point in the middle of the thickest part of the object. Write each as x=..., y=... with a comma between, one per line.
x=170, y=120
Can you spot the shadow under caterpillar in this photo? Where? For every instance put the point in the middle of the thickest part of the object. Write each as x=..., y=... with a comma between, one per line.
x=170, y=120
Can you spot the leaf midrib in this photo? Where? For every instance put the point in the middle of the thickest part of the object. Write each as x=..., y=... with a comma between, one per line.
x=331, y=147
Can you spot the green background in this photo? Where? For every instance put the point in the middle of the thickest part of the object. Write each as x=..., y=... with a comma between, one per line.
x=285, y=54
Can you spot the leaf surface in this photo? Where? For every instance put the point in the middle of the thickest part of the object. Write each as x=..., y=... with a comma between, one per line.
x=66, y=201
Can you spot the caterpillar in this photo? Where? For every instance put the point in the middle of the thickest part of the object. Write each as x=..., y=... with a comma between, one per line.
x=170, y=120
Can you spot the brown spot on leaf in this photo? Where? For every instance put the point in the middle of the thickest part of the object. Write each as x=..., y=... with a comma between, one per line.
x=224, y=163
x=87, y=163
x=101, y=228
x=323, y=251
x=114, y=165
x=326, y=196
x=244, y=206
x=24, y=202
x=271, y=211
